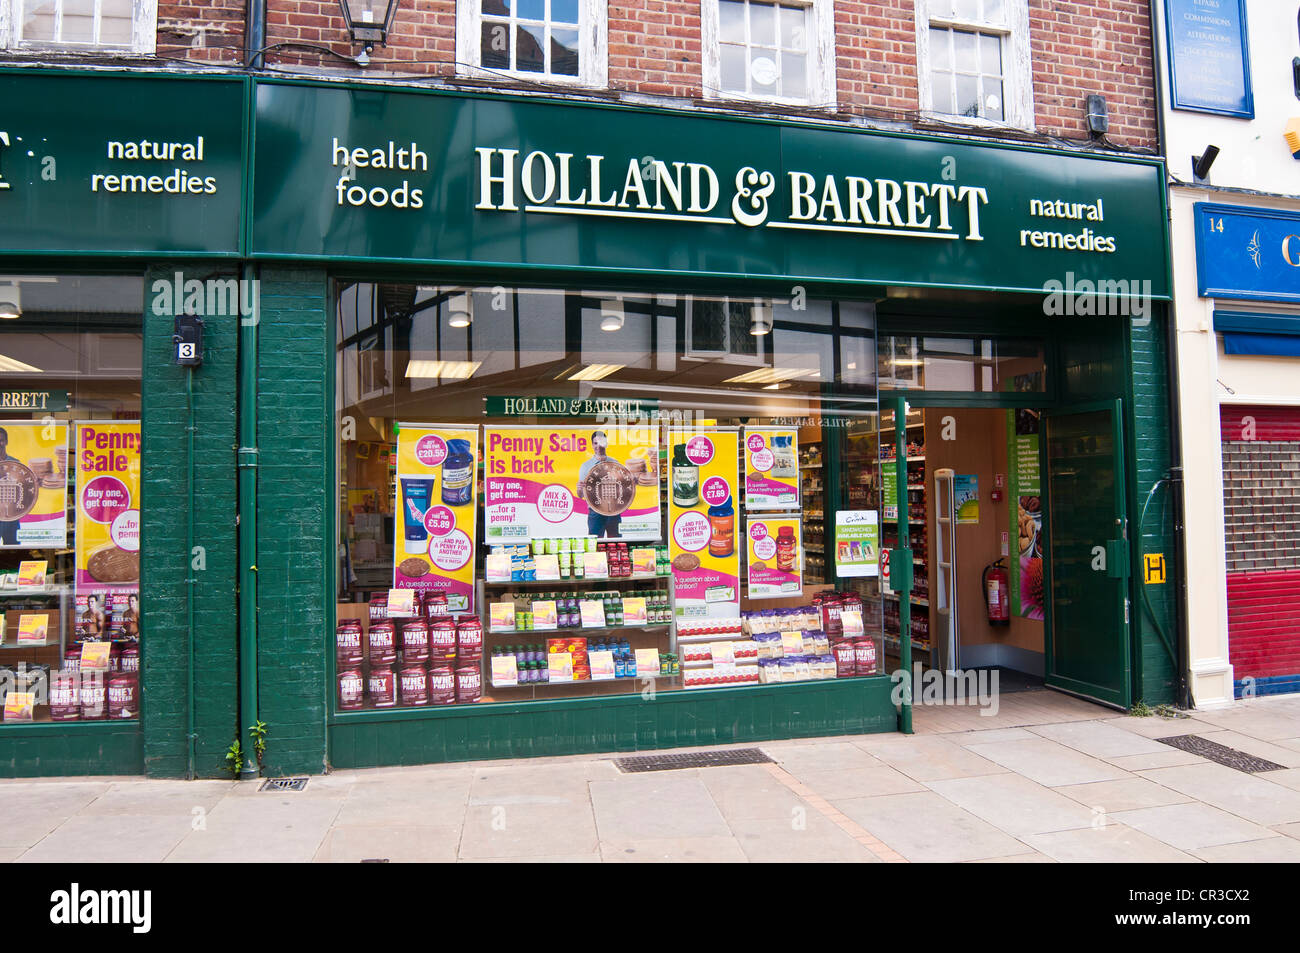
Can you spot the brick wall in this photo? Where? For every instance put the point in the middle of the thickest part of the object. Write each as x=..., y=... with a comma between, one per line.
x=294, y=552
x=165, y=558
x=1078, y=47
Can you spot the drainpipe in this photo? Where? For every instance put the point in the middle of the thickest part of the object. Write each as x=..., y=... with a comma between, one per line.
x=254, y=33
x=247, y=468
x=190, y=581
x=1183, y=644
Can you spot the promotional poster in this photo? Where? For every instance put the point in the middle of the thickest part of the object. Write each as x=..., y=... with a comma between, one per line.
x=437, y=491
x=771, y=469
x=33, y=484
x=857, y=543
x=544, y=482
x=1025, y=492
x=108, y=507
x=702, y=523
x=775, y=557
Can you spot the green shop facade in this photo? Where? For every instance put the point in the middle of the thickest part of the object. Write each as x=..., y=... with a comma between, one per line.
x=928, y=316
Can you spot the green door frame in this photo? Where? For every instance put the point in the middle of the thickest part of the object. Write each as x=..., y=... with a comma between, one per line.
x=1116, y=556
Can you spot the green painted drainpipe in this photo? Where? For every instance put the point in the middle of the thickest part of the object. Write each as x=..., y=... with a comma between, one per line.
x=247, y=464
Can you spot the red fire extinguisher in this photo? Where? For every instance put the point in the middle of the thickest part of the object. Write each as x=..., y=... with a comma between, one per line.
x=997, y=593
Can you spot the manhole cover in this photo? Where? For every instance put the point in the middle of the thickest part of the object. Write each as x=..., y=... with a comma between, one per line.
x=694, y=759
x=1221, y=754
x=283, y=784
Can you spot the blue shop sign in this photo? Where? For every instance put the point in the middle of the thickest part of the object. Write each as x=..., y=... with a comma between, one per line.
x=1247, y=253
x=1209, y=56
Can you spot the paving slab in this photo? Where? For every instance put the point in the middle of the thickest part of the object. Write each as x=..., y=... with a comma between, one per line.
x=1126, y=794
x=1111, y=844
x=111, y=838
x=836, y=756
x=1169, y=758
x=10, y=854
x=1290, y=830
x=1100, y=739
x=816, y=841
x=926, y=828
x=1289, y=777
x=1272, y=850
x=931, y=758
x=989, y=736
x=1047, y=762
x=421, y=844
x=1269, y=751
x=592, y=858
x=1156, y=727
x=397, y=802
x=269, y=828
x=523, y=830
x=1245, y=795
x=857, y=782
x=1265, y=722
x=1015, y=804
x=1030, y=858
x=674, y=850
x=160, y=798
x=659, y=804
x=1191, y=826
x=33, y=809
x=749, y=792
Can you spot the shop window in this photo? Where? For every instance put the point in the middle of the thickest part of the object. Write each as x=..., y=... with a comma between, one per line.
x=70, y=467
x=520, y=520
x=554, y=40
x=973, y=61
x=777, y=52
x=102, y=26
x=962, y=364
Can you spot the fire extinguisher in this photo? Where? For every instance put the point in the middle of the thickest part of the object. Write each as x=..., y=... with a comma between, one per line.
x=997, y=593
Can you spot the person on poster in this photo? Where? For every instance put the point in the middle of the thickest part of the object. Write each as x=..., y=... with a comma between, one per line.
x=131, y=620
x=597, y=524
x=8, y=528
x=92, y=620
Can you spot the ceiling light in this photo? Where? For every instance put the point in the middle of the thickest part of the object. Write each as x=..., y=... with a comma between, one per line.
x=760, y=317
x=595, y=372
x=445, y=370
x=611, y=315
x=778, y=386
x=10, y=302
x=17, y=367
x=773, y=375
x=460, y=308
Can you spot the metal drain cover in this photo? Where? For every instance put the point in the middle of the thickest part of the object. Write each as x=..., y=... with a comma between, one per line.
x=283, y=784
x=1221, y=754
x=693, y=759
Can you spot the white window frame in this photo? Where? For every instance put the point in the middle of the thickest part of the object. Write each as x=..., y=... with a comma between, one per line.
x=593, y=46
x=144, y=32
x=1017, y=73
x=821, y=56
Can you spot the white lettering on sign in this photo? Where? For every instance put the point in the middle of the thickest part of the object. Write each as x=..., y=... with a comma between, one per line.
x=675, y=190
x=4, y=141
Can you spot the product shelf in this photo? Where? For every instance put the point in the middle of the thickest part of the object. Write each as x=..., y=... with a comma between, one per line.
x=583, y=581
x=578, y=631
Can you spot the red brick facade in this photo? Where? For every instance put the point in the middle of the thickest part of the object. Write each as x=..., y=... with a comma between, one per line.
x=1078, y=47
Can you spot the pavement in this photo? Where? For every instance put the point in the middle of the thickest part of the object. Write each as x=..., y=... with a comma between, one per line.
x=1047, y=779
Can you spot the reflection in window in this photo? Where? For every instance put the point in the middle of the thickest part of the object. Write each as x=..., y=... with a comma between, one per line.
x=962, y=364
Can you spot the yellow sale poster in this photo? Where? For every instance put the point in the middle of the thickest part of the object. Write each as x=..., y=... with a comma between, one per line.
x=33, y=484
x=437, y=492
x=775, y=557
x=703, y=471
x=108, y=506
x=771, y=469
x=544, y=482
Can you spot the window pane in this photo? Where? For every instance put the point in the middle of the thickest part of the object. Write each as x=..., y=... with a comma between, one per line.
x=115, y=31
x=530, y=9
x=495, y=52
x=530, y=49
x=965, y=52
x=940, y=49
x=38, y=20
x=991, y=54
x=564, y=52
x=731, y=22
x=942, y=86
x=497, y=8
x=968, y=96
x=734, y=64
x=762, y=24
x=794, y=33
x=993, y=12
x=762, y=71
x=78, y=21
x=993, y=107
x=966, y=9
x=794, y=75
x=564, y=11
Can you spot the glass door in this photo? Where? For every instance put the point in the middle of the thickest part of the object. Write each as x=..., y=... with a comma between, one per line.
x=1088, y=637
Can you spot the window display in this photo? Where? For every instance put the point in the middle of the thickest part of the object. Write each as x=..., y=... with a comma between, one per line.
x=70, y=457
x=603, y=507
